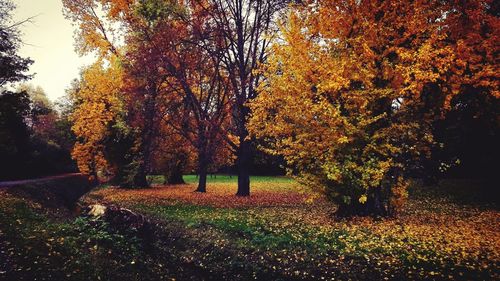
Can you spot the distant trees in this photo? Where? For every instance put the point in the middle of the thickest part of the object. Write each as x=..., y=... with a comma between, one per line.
x=28, y=121
x=351, y=94
x=14, y=133
x=32, y=141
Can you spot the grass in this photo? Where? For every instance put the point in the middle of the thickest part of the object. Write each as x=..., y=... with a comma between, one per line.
x=435, y=237
x=215, y=178
x=36, y=247
x=273, y=235
x=234, y=179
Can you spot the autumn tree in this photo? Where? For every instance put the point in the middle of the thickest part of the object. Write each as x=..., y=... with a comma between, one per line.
x=247, y=28
x=166, y=63
x=351, y=93
x=99, y=31
x=98, y=107
x=175, y=44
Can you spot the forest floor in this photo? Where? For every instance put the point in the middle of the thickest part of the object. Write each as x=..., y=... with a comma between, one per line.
x=281, y=232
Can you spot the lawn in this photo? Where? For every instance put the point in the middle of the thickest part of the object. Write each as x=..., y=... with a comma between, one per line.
x=280, y=233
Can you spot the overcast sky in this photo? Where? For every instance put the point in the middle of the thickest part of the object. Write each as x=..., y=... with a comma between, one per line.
x=50, y=39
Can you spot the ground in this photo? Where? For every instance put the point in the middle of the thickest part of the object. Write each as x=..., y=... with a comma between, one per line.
x=280, y=233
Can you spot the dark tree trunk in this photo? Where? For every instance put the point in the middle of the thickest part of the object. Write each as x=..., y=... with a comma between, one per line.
x=140, y=172
x=376, y=205
x=139, y=176
x=243, y=162
x=174, y=177
x=202, y=172
x=202, y=182
x=140, y=179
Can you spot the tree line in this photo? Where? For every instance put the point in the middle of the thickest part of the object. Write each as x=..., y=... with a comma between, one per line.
x=35, y=137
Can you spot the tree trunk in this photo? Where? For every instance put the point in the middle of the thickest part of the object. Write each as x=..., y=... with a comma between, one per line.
x=148, y=131
x=202, y=171
x=174, y=176
x=140, y=180
x=202, y=182
x=243, y=162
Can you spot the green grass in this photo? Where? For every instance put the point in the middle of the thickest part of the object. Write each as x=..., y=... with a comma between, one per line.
x=218, y=178
x=36, y=247
x=243, y=226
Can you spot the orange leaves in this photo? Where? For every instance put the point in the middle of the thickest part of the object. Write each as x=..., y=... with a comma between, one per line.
x=96, y=31
x=98, y=105
x=353, y=88
x=218, y=195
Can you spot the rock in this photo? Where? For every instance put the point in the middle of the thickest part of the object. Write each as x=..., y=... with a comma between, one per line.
x=97, y=210
x=119, y=218
x=125, y=219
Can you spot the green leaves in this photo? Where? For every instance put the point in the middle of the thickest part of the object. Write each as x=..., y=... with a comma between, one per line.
x=154, y=11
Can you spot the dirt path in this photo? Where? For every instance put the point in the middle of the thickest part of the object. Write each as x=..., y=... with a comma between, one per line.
x=19, y=182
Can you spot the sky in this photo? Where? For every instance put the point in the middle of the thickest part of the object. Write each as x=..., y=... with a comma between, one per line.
x=50, y=44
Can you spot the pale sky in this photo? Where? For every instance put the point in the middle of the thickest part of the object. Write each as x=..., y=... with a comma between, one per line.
x=51, y=45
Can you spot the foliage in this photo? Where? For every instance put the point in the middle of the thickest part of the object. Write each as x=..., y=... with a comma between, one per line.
x=98, y=108
x=350, y=104
x=13, y=67
x=28, y=148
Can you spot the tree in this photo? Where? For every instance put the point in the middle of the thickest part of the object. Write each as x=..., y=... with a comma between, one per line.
x=130, y=142
x=13, y=68
x=247, y=28
x=165, y=62
x=350, y=104
x=14, y=133
x=176, y=77
x=14, y=107
x=98, y=106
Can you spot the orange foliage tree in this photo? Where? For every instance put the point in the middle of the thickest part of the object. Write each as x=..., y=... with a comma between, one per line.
x=351, y=92
x=170, y=51
x=98, y=107
x=169, y=69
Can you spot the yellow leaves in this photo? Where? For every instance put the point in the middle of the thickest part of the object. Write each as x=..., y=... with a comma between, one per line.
x=96, y=30
x=98, y=105
x=363, y=199
x=332, y=91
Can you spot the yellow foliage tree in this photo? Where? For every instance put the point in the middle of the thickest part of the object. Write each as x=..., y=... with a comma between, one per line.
x=98, y=106
x=351, y=92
